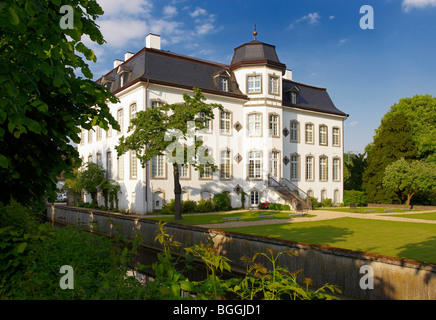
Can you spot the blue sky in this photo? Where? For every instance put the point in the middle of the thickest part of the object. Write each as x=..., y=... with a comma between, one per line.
x=365, y=71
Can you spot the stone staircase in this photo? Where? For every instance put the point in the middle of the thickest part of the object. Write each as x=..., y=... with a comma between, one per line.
x=290, y=193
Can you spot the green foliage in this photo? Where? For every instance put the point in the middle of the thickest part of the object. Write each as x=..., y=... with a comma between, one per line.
x=91, y=179
x=354, y=166
x=204, y=205
x=43, y=103
x=410, y=177
x=392, y=141
x=189, y=206
x=327, y=203
x=221, y=202
x=315, y=203
x=354, y=196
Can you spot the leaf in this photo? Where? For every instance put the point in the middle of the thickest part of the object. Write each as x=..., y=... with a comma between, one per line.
x=4, y=161
x=21, y=247
x=13, y=17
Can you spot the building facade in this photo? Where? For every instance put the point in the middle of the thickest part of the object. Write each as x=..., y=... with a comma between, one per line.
x=271, y=128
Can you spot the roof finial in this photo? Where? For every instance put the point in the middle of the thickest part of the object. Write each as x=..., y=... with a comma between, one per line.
x=254, y=32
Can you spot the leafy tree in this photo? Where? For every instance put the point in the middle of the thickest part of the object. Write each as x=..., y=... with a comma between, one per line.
x=393, y=140
x=152, y=127
x=354, y=166
x=420, y=111
x=410, y=177
x=43, y=103
x=91, y=180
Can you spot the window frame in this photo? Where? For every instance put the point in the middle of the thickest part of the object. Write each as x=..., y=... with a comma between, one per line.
x=312, y=168
x=277, y=133
x=226, y=168
x=250, y=76
x=323, y=135
x=338, y=144
x=337, y=170
x=133, y=165
x=253, y=195
x=277, y=84
x=275, y=160
x=323, y=168
x=229, y=121
x=293, y=130
x=164, y=167
x=256, y=166
x=295, y=162
x=259, y=134
x=120, y=120
x=306, y=131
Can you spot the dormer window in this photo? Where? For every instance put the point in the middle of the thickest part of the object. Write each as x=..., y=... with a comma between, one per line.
x=108, y=85
x=107, y=81
x=224, y=84
x=293, y=97
x=294, y=94
x=123, y=78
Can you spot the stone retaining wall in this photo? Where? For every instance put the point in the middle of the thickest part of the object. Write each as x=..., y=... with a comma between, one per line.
x=393, y=278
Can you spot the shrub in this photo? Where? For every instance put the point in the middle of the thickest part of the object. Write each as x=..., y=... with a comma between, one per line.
x=169, y=206
x=221, y=202
x=315, y=203
x=204, y=206
x=188, y=206
x=286, y=207
x=264, y=205
x=354, y=196
x=327, y=203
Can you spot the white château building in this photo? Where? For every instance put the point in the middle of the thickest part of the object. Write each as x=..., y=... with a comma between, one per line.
x=277, y=140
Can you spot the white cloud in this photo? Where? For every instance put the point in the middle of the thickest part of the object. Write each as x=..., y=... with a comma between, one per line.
x=331, y=17
x=419, y=4
x=119, y=32
x=169, y=11
x=125, y=7
x=342, y=41
x=352, y=124
x=198, y=12
x=311, y=18
x=204, y=28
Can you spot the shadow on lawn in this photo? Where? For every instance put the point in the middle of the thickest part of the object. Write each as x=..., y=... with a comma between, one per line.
x=418, y=250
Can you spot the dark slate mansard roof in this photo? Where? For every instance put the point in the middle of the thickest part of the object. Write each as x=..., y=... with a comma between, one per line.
x=167, y=68
x=309, y=98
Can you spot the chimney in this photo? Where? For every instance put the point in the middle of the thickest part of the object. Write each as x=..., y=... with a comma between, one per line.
x=128, y=55
x=117, y=62
x=152, y=41
x=288, y=74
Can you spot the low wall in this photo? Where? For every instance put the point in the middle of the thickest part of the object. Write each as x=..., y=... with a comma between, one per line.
x=399, y=206
x=393, y=278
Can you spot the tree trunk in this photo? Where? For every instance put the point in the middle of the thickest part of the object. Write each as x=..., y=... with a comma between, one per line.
x=409, y=197
x=177, y=194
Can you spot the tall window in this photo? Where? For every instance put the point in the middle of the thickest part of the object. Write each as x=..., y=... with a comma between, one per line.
x=274, y=125
x=254, y=84
x=99, y=130
x=309, y=133
x=224, y=84
x=225, y=122
x=254, y=198
x=274, y=164
x=184, y=171
x=90, y=136
x=133, y=165
x=323, y=135
x=273, y=85
x=120, y=168
x=158, y=166
x=206, y=172
x=336, y=137
x=109, y=165
x=120, y=120
x=336, y=168
x=323, y=169
x=207, y=124
x=133, y=111
x=309, y=168
x=225, y=165
x=254, y=125
x=156, y=104
x=294, y=167
x=254, y=165
x=123, y=78
x=294, y=131
x=82, y=137
x=323, y=194
x=99, y=161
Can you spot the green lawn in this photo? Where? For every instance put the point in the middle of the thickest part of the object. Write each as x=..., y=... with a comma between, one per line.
x=360, y=209
x=194, y=219
x=415, y=241
x=423, y=216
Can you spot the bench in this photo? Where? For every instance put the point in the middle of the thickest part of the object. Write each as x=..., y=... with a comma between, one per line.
x=407, y=209
x=353, y=207
x=231, y=218
x=266, y=216
x=302, y=214
x=389, y=210
x=368, y=211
